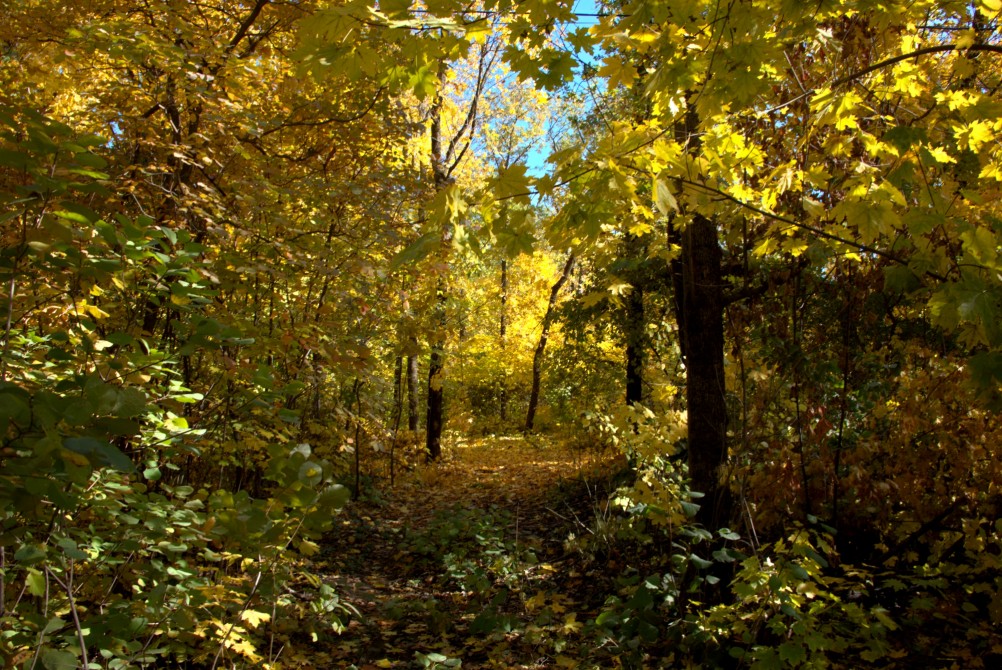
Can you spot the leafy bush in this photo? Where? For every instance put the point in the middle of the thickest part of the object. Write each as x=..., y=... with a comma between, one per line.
x=109, y=556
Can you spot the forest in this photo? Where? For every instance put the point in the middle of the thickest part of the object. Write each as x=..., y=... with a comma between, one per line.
x=500, y=334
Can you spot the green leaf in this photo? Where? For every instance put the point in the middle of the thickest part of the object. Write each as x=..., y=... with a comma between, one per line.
x=792, y=652
x=986, y=368
x=334, y=497
x=29, y=553
x=176, y=423
x=981, y=244
x=420, y=248
x=766, y=659
x=700, y=562
x=310, y=473
x=608, y=619
x=511, y=182
x=690, y=509
x=129, y=402
x=904, y=137
x=54, y=659
x=99, y=452
x=35, y=581
x=71, y=549
x=900, y=279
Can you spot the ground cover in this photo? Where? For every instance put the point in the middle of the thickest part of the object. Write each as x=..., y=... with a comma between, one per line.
x=473, y=560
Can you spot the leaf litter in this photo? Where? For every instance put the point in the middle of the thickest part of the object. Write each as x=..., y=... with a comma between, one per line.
x=466, y=562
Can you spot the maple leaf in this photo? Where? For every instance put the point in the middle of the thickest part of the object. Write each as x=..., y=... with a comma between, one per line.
x=617, y=72
x=663, y=197
x=254, y=618
x=512, y=181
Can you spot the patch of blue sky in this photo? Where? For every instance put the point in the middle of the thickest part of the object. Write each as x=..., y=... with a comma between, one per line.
x=588, y=13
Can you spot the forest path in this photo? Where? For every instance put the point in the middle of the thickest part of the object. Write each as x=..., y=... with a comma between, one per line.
x=465, y=560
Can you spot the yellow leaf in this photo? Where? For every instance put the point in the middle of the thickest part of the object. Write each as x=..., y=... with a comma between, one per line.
x=767, y=246
x=254, y=618
x=383, y=663
x=974, y=136
x=639, y=229
x=93, y=310
x=511, y=182
x=536, y=602
x=966, y=38
x=245, y=649
x=478, y=31
x=813, y=208
x=619, y=288
x=991, y=5
x=617, y=72
x=663, y=198
x=941, y=156
x=593, y=298
x=991, y=171
x=571, y=623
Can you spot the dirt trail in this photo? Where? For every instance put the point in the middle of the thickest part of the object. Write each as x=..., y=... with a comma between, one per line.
x=460, y=558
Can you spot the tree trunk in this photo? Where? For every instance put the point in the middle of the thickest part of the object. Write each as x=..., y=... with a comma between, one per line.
x=398, y=391
x=445, y=158
x=635, y=327
x=699, y=309
x=703, y=322
x=435, y=407
x=635, y=337
x=503, y=341
x=537, y=358
x=412, y=392
x=434, y=418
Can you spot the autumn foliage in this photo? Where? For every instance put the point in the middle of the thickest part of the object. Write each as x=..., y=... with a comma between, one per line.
x=297, y=294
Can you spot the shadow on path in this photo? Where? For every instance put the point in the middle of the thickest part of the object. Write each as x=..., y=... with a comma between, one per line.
x=465, y=560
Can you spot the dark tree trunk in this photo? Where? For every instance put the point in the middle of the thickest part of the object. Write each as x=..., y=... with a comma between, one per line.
x=435, y=417
x=703, y=325
x=435, y=407
x=635, y=354
x=503, y=340
x=697, y=276
x=537, y=358
x=635, y=327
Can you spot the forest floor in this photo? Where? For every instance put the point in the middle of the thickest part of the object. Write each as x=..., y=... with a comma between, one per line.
x=485, y=559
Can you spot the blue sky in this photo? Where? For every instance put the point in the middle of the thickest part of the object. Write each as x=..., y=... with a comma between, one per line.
x=536, y=160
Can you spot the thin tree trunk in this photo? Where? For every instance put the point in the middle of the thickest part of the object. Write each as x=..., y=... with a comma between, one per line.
x=537, y=358
x=358, y=438
x=635, y=327
x=503, y=340
x=434, y=419
x=398, y=391
x=635, y=355
x=412, y=392
x=445, y=158
x=435, y=407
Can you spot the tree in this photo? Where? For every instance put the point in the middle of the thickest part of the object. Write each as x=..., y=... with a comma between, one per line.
x=537, y=358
